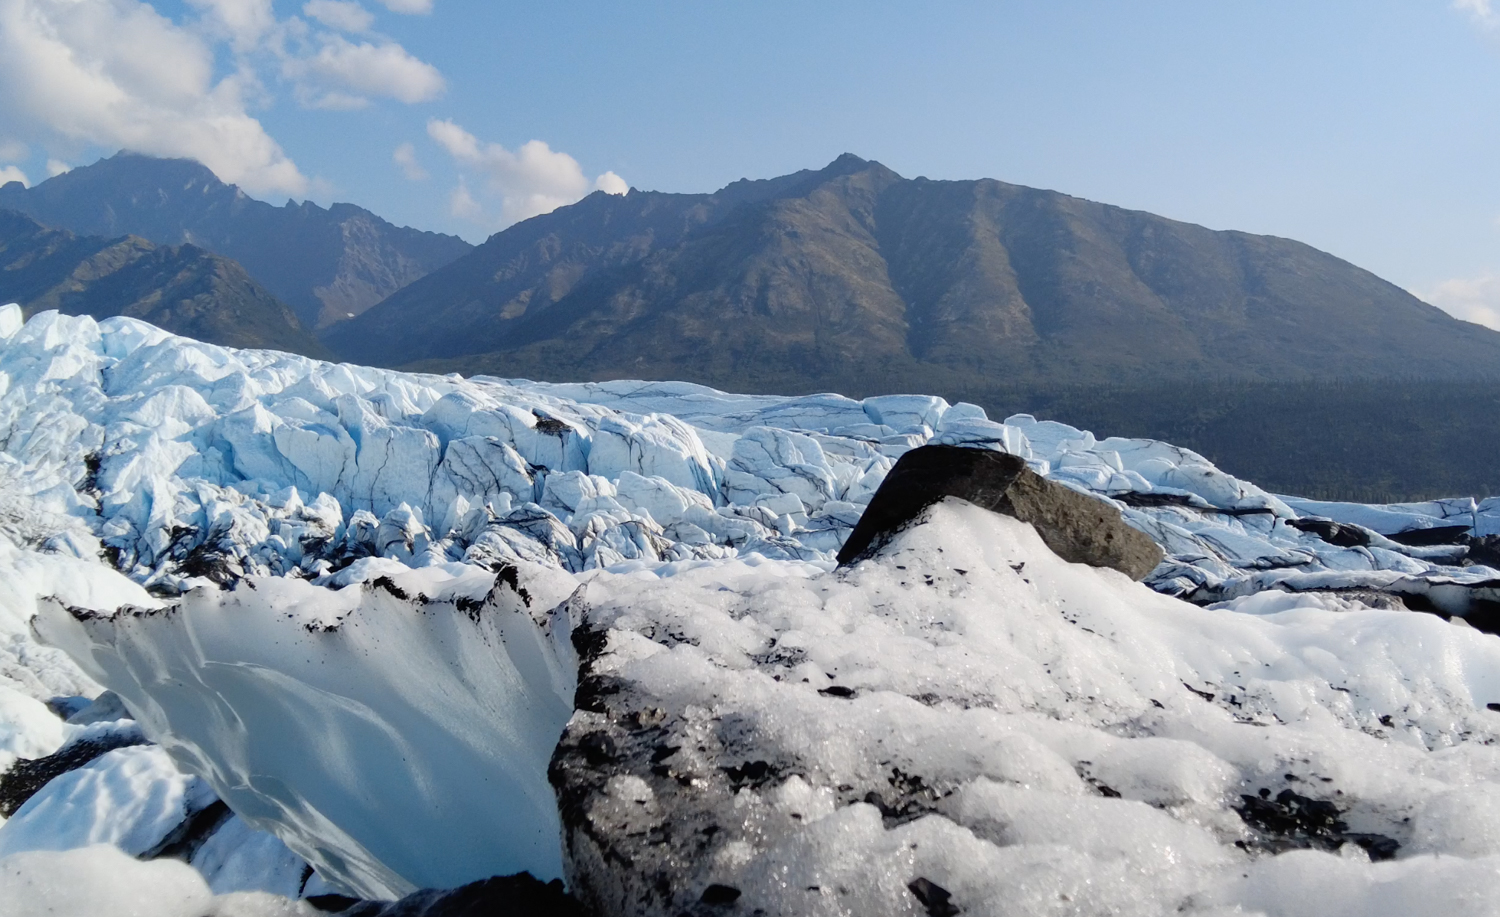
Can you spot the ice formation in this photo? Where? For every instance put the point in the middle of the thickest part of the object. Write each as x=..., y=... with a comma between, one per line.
x=430, y=701
x=321, y=565
x=191, y=462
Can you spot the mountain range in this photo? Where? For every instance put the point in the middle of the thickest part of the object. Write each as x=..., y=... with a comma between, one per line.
x=178, y=287
x=855, y=279
x=328, y=265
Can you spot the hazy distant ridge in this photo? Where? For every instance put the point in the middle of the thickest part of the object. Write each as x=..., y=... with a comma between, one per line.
x=325, y=264
x=181, y=288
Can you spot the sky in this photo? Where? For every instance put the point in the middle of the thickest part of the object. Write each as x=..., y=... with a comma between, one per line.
x=1367, y=128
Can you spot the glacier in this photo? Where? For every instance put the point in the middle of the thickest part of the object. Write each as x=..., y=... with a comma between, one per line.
x=191, y=462
x=306, y=582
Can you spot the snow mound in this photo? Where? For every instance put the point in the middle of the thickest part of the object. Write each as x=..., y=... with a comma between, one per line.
x=1027, y=735
x=394, y=734
x=95, y=880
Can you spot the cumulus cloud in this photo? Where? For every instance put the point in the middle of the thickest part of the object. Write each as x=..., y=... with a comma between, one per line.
x=462, y=204
x=406, y=157
x=353, y=71
x=9, y=174
x=532, y=180
x=115, y=73
x=610, y=183
x=244, y=23
x=408, y=7
x=1475, y=299
x=344, y=15
x=118, y=74
x=1483, y=12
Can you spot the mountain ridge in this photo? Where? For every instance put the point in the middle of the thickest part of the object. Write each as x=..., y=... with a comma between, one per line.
x=327, y=264
x=856, y=279
x=183, y=289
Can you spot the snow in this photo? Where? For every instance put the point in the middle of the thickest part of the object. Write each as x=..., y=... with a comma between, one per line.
x=360, y=711
x=27, y=728
x=130, y=798
x=1017, y=690
x=90, y=881
x=25, y=667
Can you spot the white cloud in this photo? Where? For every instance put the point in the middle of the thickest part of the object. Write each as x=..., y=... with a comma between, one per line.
x=405, y=156
x=345, y=15
x=56, y=167
x=610, y=183
x=462, y=204
x=532, y=180
x=244, y=23
x=1482, y=11
x=1475, y=299
x=9, y=174
x=341, y=71
x=408, y=6
x=115, y=73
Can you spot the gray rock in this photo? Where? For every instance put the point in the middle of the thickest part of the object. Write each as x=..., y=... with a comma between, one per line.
x=1077, y=527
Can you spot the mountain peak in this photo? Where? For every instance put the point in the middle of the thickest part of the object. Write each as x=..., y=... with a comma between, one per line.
x=850, y=164
x=130, y=166
x=847, y=162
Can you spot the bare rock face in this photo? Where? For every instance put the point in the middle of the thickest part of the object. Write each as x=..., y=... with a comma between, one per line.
x=1077, y=527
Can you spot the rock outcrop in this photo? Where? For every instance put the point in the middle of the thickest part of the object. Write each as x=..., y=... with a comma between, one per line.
x=1077, y=527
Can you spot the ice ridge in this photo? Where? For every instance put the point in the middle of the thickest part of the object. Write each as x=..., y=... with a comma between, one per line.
x=190, y=462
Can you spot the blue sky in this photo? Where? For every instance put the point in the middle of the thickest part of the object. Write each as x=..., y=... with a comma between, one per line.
x=1369, y=129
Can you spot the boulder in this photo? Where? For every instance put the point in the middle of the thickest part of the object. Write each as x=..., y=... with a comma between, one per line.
x=1077, y=527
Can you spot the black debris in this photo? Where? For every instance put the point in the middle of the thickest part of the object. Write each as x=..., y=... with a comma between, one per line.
x=937, y=899
x=720, y=894
x=751, y=773
x=1293, y=821
x=520, y=895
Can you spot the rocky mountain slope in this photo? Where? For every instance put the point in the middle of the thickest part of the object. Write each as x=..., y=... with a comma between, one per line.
x=326, y=264
x=181, y=288
x=855, y=279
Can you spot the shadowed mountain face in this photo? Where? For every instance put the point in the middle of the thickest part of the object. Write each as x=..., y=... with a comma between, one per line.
x=326, y=264
x=856, y=279
x=183, y=288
